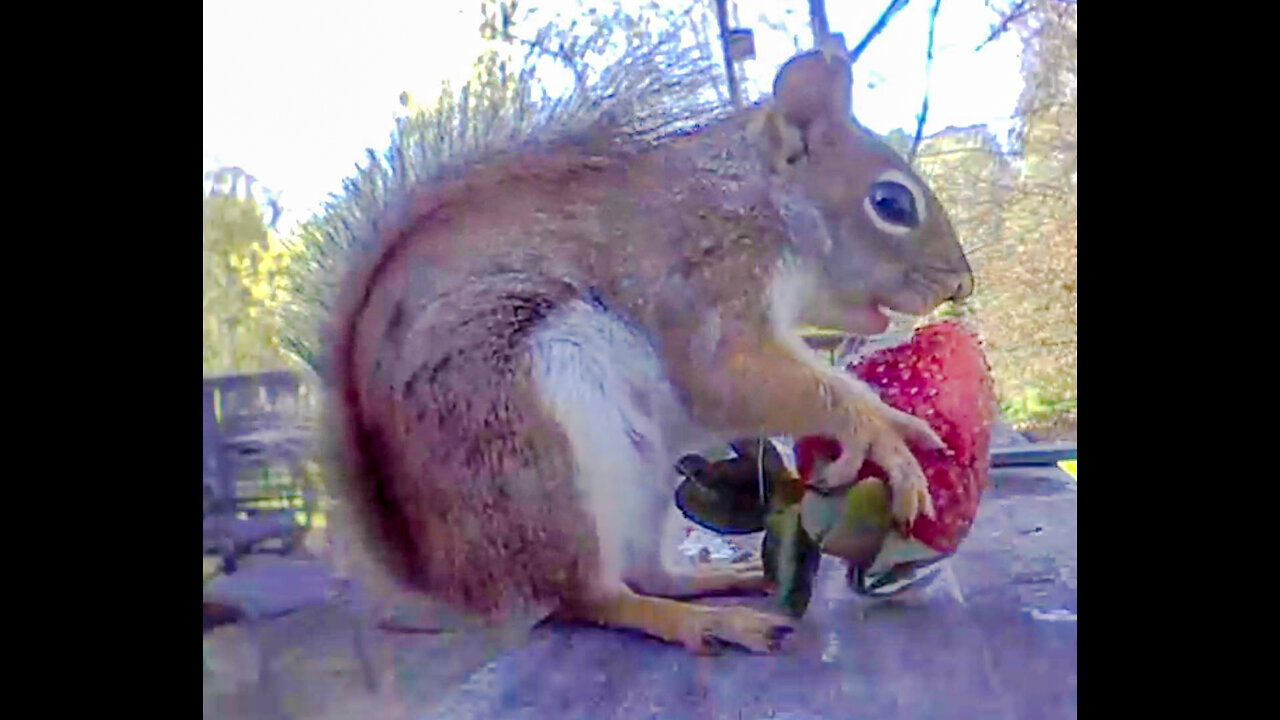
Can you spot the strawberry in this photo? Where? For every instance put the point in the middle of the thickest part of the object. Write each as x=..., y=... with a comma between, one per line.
x=940, y=375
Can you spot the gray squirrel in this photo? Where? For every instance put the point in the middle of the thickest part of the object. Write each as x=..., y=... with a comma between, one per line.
x=535, y=341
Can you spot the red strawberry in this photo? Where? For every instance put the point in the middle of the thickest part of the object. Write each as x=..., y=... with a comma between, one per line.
x=941, y=376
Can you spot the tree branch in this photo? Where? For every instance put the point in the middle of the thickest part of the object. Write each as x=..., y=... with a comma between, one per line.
x=889, y=12
x=928, y=67
x=1018, y=10
x=818, y=21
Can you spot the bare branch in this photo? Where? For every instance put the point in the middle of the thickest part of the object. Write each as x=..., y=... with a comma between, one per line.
x=928, y=68
x=818, y=21
x=1018, y=10
x=885, y=17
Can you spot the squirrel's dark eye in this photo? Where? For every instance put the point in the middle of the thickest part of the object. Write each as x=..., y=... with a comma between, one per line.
x=894, y=203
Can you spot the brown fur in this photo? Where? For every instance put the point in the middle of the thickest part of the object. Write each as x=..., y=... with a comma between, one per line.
x=468, y=492
x=465, y=483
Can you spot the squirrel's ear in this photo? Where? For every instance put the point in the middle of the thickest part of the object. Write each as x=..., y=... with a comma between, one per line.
x=781, y=142
x=815, y=85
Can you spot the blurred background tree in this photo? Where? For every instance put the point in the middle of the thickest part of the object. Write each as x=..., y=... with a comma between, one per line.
x=244, y=261
x=1016, y=210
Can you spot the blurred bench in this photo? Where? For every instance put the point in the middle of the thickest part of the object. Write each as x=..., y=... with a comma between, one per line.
x=255, y=424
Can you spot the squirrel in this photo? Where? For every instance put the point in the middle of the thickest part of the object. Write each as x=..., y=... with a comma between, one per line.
x=537, y=339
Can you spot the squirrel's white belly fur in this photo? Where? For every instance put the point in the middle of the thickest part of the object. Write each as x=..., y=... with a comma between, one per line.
x=604, y=383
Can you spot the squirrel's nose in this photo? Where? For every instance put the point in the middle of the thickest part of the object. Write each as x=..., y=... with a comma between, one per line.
x=965, y=288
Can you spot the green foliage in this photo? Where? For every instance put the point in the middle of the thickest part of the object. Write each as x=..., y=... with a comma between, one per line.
x=791, y=559
x=243, y=262
x=1015, y=212
x=1034, y=405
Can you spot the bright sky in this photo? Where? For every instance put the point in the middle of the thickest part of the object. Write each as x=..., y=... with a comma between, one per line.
x=295, y=90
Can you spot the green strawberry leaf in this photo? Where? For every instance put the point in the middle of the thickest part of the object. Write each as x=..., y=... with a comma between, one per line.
x=790, y=558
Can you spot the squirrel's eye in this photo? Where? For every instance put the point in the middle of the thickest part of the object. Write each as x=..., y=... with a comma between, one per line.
x=894, y=203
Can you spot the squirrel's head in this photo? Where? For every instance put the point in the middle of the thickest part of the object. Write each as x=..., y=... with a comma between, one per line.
x=866, y=230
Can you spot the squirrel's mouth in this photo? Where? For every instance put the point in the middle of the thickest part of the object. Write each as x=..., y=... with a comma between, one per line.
x=910, y=303
x=873, y=312
x=866, y=320
x=873, y=318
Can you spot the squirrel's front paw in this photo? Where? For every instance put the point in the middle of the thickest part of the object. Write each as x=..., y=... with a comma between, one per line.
x=881, y=434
